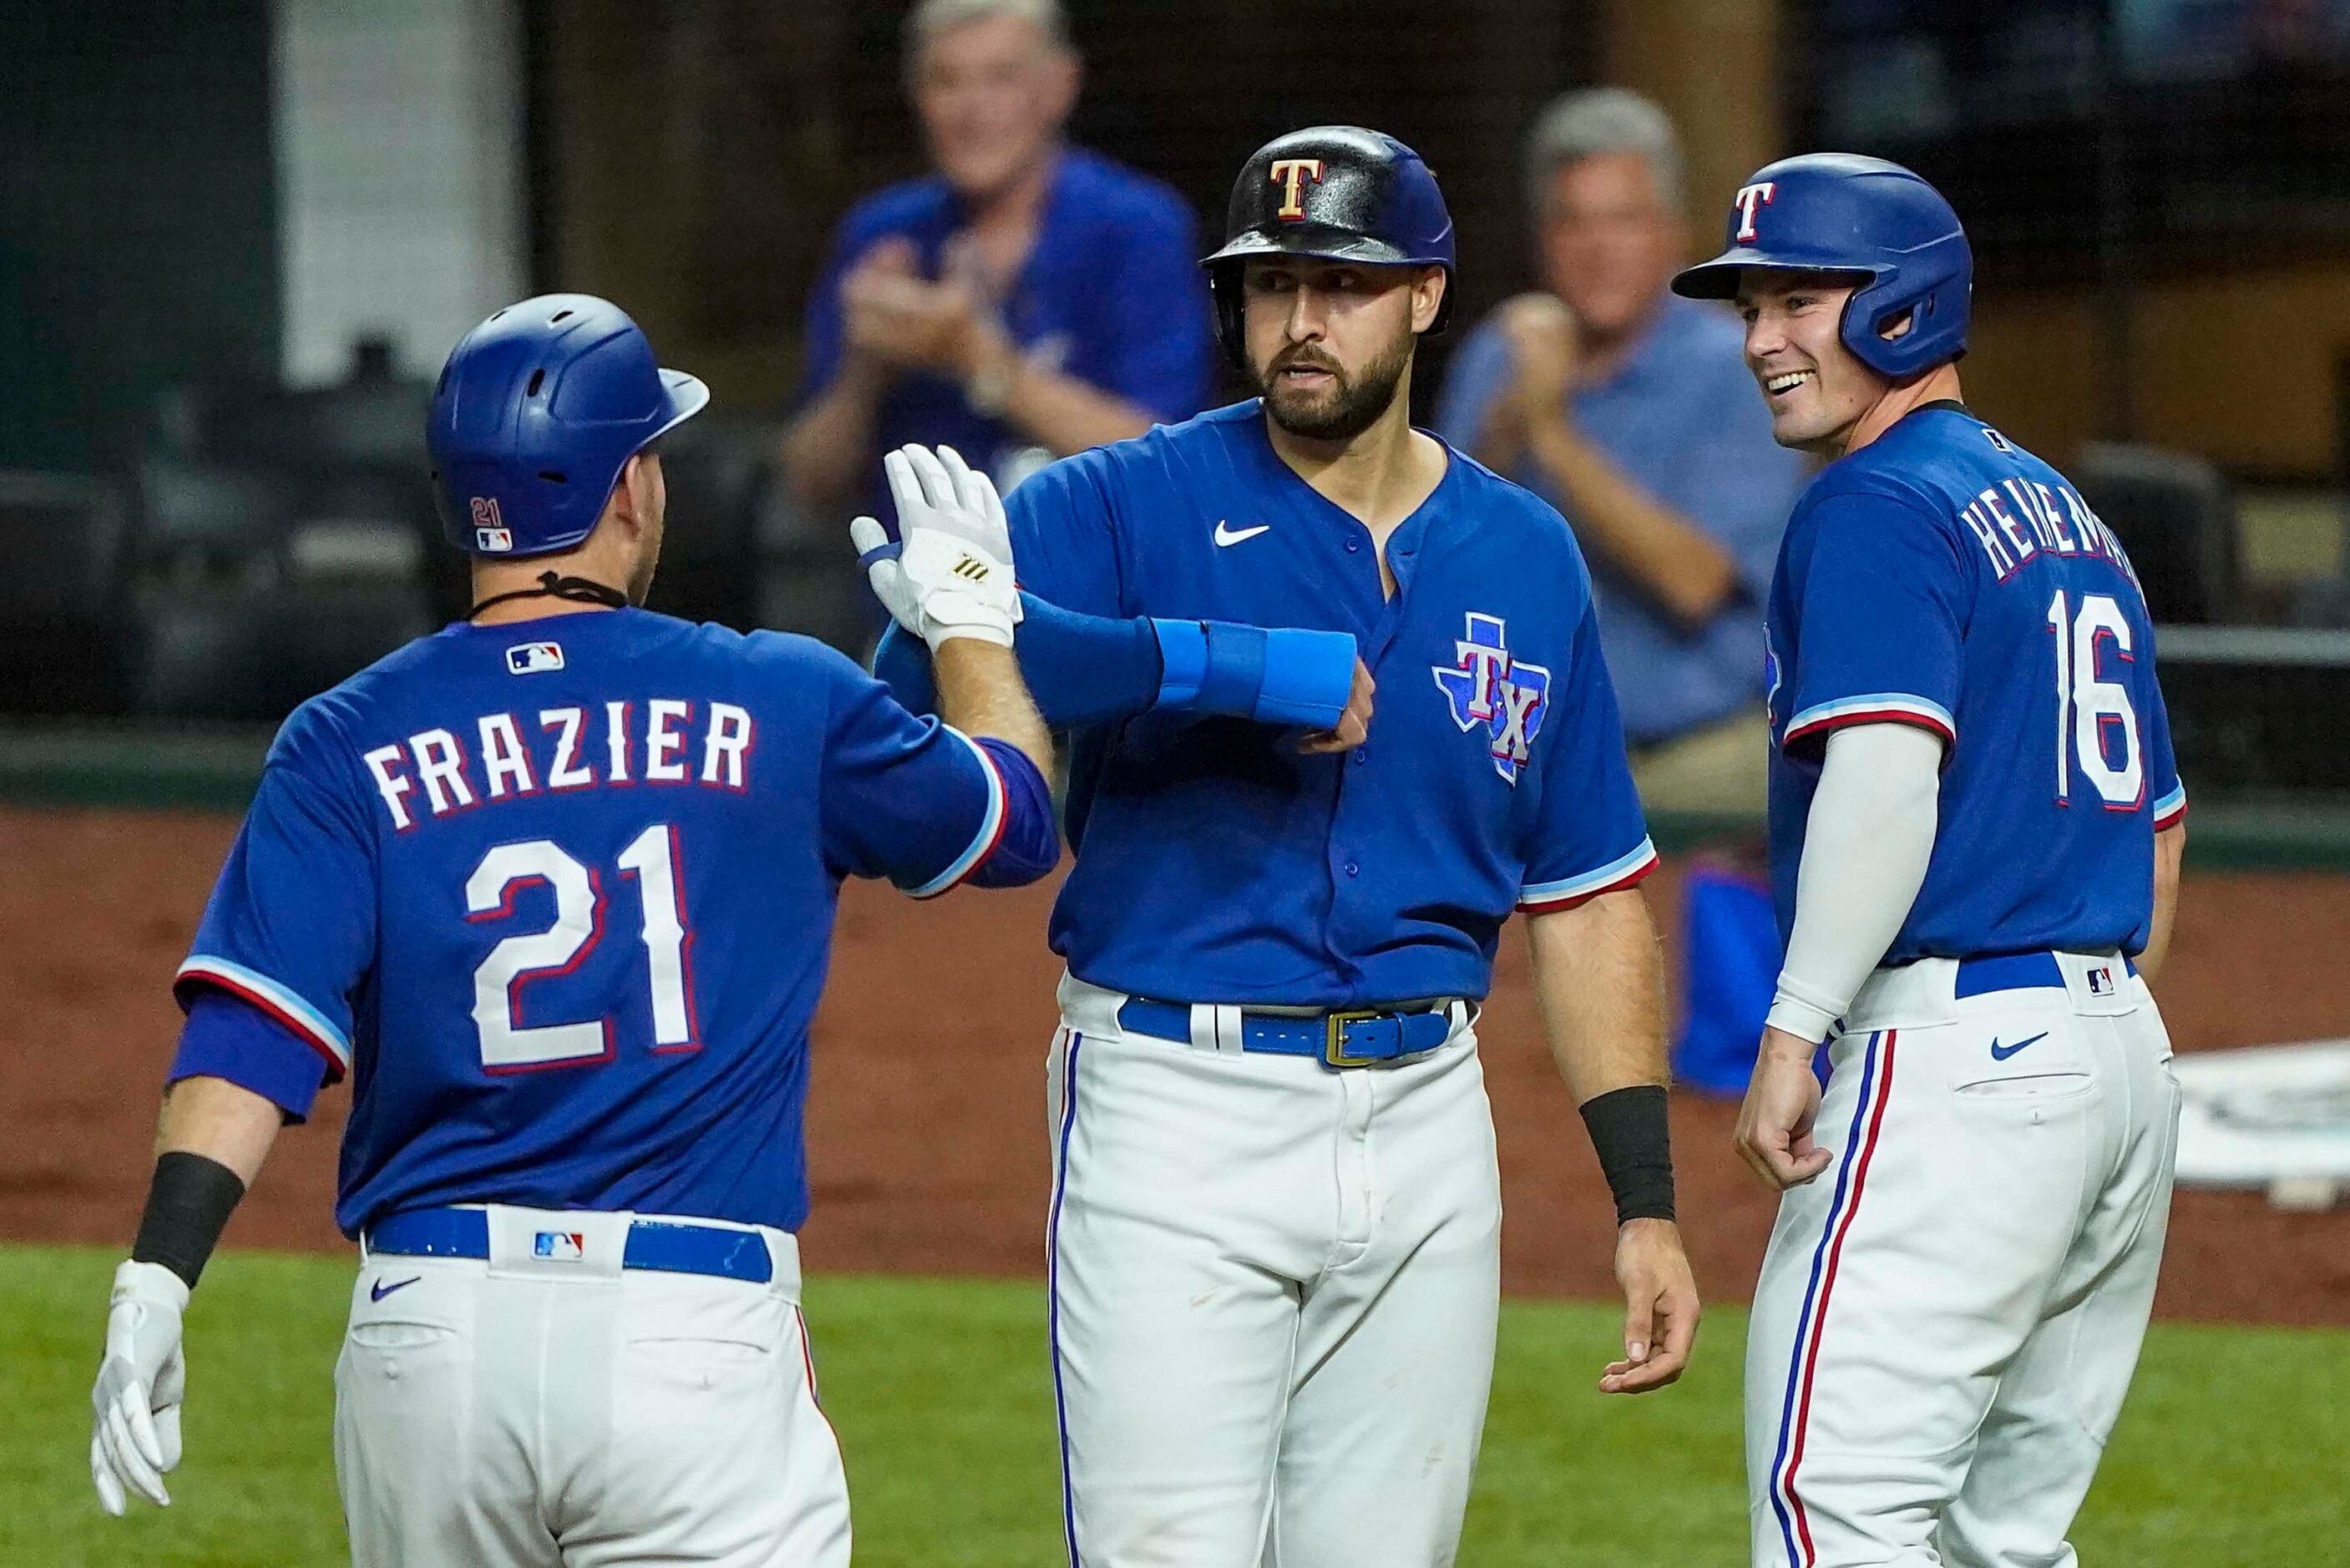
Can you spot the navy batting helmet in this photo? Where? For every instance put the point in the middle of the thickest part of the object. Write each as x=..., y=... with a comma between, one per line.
x=1838, y=211
x=1338, y=192
x=536, y=412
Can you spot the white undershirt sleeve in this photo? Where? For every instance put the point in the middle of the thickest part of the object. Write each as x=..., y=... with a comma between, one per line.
x=1869, y=835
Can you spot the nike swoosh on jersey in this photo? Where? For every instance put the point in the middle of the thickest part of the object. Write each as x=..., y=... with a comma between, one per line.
x=1228, y=535
x=1999, y=1053
x=378, y=1289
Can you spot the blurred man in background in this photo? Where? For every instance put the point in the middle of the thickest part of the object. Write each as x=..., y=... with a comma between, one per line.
x=1026, y=301
x=1631, y=412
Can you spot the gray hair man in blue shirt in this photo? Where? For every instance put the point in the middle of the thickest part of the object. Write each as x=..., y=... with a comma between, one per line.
x=1633, y=412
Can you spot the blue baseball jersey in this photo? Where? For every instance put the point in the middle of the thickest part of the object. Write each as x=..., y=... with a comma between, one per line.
x=558, y=896
x=1945, y=578
x=1110, y=293
x=1216, y=863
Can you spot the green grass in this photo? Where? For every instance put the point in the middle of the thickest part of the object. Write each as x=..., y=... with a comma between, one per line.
x=2230, y=1454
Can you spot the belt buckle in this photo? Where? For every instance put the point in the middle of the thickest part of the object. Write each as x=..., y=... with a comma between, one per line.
x=1334, y=1039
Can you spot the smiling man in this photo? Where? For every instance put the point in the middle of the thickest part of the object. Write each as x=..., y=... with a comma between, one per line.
x=1275, y=1227
x=1027, y=300
x=1976, y=826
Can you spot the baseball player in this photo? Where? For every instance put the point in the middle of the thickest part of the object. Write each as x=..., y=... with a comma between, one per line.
x=554, y=887
x=1273, y=1243
x=1975, y=828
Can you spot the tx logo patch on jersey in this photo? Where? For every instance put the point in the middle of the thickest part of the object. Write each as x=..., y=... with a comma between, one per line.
x=534, y=658
x=1487, y=688
x=561, y=1246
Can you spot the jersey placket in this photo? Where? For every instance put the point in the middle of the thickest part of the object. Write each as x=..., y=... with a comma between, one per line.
x=1345, y=856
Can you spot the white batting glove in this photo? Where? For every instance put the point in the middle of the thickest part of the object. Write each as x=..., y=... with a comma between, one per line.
x=951, y=574
x=882, y=571
x=135, y=1432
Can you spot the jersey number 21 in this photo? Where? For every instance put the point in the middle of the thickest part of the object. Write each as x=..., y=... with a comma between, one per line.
x=650, y=858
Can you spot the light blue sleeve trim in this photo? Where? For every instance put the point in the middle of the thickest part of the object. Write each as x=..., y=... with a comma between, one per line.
x=1894, y=705
x=1616, y=870
x=272, y=998
x=991, y=825
x=2173, y=803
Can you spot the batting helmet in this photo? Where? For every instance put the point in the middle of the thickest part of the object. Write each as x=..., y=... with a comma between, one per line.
x=536, y=411
x=1838, y=211
x=1335, y=191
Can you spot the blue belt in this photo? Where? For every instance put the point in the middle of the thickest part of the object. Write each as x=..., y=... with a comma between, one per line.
x=2015, y=972
x=662, y=1245
x=1337, y=1039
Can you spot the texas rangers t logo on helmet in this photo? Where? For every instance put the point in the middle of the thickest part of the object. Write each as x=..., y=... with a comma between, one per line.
x=489, y=532
x=1290, y=174
x=1485, y=685
x=1748, y=199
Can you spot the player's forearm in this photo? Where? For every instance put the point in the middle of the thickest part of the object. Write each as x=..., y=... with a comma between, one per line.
x=1086, y=670
x=1064, y=414
x=1676, y=563
x=1867, y=845
x=1600, y=985
x=981, y=694
x=209, y=1145
x=222, y=1121
x=824, y=449
x=2169, y=854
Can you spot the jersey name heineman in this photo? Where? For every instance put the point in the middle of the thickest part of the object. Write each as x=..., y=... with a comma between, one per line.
x=2017, y=520
x=506, y=756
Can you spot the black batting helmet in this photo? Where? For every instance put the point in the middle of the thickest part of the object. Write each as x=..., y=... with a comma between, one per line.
x=1338, y=192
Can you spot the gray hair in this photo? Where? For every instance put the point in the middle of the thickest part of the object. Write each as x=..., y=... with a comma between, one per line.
x=928, y=19
x=1587, y=123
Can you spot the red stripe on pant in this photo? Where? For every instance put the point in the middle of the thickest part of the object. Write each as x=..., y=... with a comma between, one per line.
x=1861, y=1158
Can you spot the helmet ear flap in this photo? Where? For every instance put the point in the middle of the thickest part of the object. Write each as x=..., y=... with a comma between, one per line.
x=1232, y=325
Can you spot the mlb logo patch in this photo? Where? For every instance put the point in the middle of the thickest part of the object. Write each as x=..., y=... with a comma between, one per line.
x=559, y=1246
x=491, y=535
x=534, y=658
x=2101, y=981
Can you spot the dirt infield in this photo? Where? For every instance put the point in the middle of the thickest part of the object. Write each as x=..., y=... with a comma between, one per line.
x=927, y=1126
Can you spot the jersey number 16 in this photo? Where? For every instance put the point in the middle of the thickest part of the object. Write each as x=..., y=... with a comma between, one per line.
x=2089, y=707
x=510, y=1046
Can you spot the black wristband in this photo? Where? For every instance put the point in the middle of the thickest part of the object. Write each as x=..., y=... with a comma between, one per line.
x=1634, y=1137
x=188, y=1205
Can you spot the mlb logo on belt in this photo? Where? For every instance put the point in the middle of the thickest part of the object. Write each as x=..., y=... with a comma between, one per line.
x=534, y=658
x=489, y=532
x=560, y=1246
x=2101, y=981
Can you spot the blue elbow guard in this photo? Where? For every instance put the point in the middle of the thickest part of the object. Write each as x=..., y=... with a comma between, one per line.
x=1286, y=676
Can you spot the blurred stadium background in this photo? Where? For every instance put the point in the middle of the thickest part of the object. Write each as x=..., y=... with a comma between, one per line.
x=237, y=237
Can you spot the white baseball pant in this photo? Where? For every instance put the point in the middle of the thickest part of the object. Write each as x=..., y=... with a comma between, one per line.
x=530, y=1413
x=1274, y=1288
x=1948, y=1316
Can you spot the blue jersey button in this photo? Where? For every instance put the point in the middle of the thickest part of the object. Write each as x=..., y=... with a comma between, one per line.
x=1353, y=869
x=1353, y=544
x=1362, y=755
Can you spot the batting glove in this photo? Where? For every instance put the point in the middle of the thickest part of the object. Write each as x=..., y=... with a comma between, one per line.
x=135, y=1434
x=951, y=574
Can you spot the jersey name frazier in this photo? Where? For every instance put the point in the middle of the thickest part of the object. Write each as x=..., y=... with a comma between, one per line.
x=508, y=755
